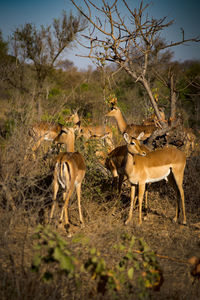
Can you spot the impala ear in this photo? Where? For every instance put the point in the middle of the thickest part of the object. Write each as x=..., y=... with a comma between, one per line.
x=126, y=137
x=140, y=135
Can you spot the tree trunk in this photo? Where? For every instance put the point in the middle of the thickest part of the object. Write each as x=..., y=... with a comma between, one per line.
x=39, y=108
x=153, y=102
x=172, y=100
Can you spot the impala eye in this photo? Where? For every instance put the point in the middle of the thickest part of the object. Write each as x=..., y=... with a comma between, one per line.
x=132, y=143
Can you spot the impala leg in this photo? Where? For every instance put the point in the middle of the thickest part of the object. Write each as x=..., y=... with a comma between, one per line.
x=64, y=211
x=121, y=179
x=177, y=207
x=135, y=198
x=180, y=193
x=172, y=181
x=118, y=187
x=114, y=183
x=140, y=198
x=55, y=191
x=183, y=204
x=177, y=182
x=66, y=197
x=114, y=174
x=146, y=199
x=131, y=207
x=134, y=202
x=78, y=191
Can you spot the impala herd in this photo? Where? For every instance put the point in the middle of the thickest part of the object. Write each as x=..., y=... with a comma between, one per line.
x=132, y=160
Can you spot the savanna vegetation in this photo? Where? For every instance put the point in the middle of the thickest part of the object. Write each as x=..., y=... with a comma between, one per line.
x=105, y=259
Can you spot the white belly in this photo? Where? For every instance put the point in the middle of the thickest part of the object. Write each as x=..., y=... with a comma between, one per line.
x=156, y=179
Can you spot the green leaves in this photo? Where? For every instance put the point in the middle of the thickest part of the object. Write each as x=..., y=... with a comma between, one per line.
x=152, y=277
x=66, y=261
x=53, y=256
x=51, y=249
x=130, y=273
x=105, y=277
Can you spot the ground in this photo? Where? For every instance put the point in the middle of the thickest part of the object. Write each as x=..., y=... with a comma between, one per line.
x=173, y=243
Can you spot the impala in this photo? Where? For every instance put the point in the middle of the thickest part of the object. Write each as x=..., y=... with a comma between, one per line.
x=153, y=119
x=68, y=173
x=132, y=129
x=47, y=131
x=115, y=162
x=142, y=168
x=43, y=131
x=90, y=131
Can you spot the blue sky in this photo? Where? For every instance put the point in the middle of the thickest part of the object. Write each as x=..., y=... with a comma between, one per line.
x=186, y=14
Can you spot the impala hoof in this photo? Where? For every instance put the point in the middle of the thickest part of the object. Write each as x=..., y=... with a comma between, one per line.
x=174, y=220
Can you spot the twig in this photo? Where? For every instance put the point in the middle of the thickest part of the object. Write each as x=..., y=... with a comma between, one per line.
x=165, y=257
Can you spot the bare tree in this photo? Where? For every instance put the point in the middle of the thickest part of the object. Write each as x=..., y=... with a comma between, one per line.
x=132, y=42
x=43, y=46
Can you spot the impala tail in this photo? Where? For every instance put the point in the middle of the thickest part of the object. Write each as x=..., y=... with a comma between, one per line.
x=64, y=174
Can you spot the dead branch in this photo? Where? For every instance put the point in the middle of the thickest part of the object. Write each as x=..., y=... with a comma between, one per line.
x=132, y=43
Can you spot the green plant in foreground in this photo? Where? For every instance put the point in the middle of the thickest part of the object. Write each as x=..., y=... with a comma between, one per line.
x=152, y=276
x=136, y=268
x=106, y=278
x=143, y=261
x=51, y=248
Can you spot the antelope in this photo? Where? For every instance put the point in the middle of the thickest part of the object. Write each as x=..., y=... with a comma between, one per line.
x=142, y=168
x=153, y=119
x=115, y=163
x=45, y=131
x=132, y=129
x=69, y=173
x=93, y=131
x=102, y=149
